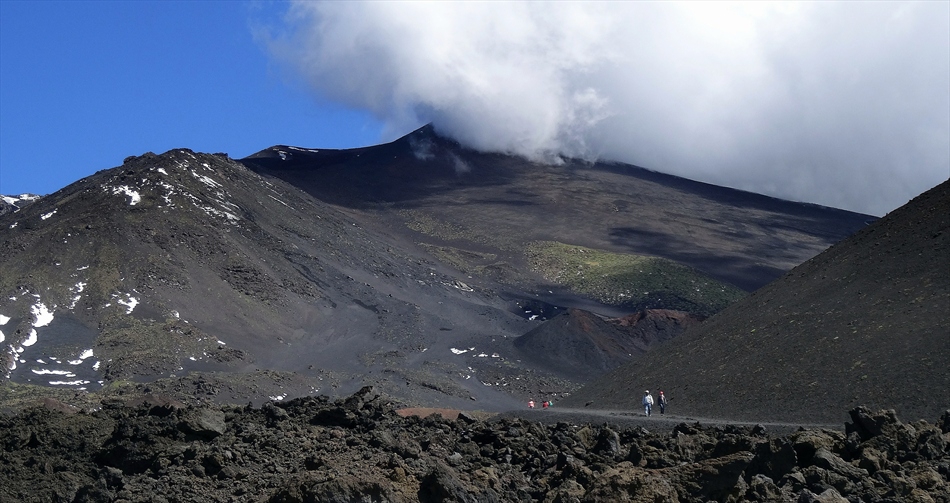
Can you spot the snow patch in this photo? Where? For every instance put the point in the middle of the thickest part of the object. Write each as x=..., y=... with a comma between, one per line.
x=4, y=319
x=31, y=340
x=278, y=398
x=207, y=180
x=82, y=356
x=162, y=171
x=278, y=200
x=45, y=216
x=77, y=290
x=77, y=382
x=134, y=196
x=13, y=225
x=2, y=338
x=42, y=314
x=64, y=373
x=129, y=304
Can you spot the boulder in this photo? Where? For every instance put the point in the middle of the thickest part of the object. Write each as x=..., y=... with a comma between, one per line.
x=203, y=422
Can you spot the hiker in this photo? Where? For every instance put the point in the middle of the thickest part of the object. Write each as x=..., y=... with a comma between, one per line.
x=530, y=404
x=647, y=402
x=661, y=401
x=544, y=404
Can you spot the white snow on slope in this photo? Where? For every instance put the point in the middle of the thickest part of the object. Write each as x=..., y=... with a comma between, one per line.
x=31, y=340
x=42, y=314
x=4, y=319
x=47, y=215
x=125, y=189
x=77, y=290
x=129, y=304
x=82, y=356
x=64, y=373
x=207, y=180
x=77, y=382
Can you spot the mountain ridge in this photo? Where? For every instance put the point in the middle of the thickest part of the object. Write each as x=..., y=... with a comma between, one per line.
x=402, y=265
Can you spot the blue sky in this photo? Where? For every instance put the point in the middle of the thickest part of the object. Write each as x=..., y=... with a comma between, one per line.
x=85, y=84
x=844, y=104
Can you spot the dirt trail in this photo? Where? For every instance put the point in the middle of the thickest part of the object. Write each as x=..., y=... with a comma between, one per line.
x=656, y=420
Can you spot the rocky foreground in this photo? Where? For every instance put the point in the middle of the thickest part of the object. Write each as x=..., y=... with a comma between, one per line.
x=360, y=450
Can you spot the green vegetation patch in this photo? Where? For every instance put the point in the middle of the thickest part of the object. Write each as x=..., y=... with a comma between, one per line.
x=431, y=226
x=630, y=281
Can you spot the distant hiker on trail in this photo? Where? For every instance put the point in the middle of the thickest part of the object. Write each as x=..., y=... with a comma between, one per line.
x=544, y=404
x=647, y=402
x=530, y=404
x=661, y=401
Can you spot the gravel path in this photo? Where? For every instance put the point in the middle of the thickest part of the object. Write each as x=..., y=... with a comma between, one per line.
x=629, y=419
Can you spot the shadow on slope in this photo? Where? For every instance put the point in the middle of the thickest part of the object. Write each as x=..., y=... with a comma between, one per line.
x=581, y=344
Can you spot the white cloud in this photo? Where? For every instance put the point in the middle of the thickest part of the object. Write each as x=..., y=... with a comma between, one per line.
x=840, y=103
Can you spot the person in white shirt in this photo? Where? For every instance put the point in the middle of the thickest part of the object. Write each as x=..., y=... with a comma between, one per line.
x=647, y=402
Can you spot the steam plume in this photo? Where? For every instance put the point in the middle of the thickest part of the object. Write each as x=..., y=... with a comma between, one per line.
x=843, y=104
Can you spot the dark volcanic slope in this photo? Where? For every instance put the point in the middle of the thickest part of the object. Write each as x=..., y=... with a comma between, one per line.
x=581, y=343
x=175, y=265
x=412, y=266
x=865, y=322
x=481, y=210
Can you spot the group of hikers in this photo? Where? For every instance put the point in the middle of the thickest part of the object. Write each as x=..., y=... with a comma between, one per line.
x=544, y=405
x=648, y=403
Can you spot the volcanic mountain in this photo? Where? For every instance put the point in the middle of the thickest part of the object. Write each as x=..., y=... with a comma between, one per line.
x=413, y=265
x=865, y=322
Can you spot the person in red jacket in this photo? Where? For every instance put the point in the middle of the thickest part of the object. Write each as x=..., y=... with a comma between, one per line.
x=661, y=401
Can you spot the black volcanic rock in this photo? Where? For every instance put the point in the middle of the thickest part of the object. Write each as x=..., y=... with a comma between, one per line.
x=278, y=453
x=865, y=322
